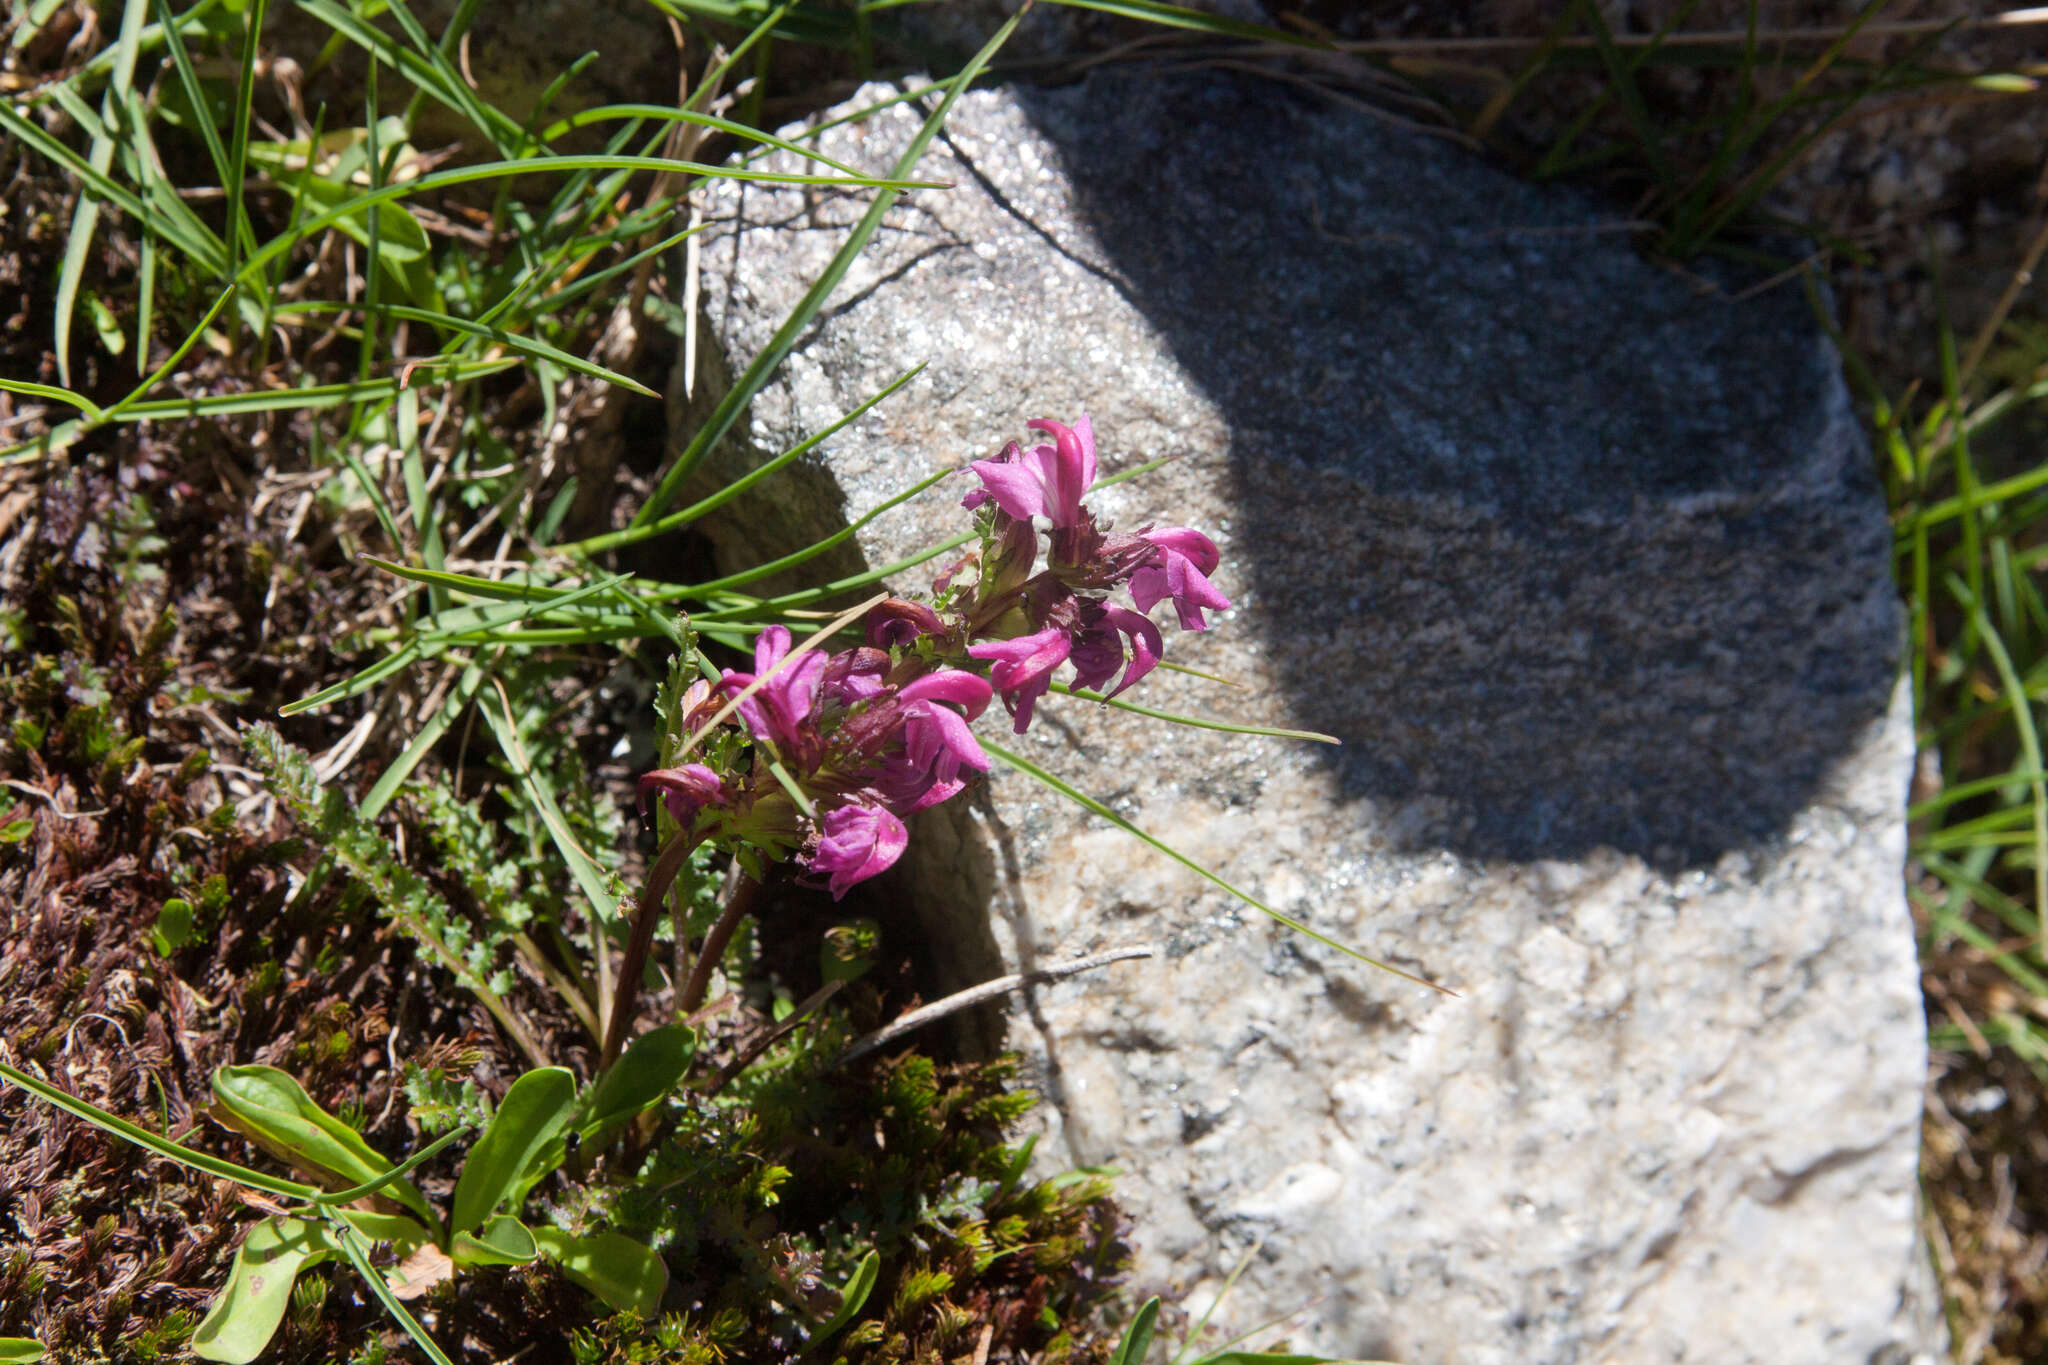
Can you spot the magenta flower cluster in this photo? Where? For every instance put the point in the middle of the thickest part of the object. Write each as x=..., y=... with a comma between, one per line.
x=846, y=746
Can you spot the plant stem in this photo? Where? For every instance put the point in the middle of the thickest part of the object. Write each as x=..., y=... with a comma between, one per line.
x=626, y=990
x=744, y=892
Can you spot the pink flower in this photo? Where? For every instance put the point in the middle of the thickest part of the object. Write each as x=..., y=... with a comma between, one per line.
x=685, y=790
x=1023, y=668
x=856, y=841
x=1184, y=559
x=1099, y=648
x=1045, y=481
x=937, y=742
x=777, y=711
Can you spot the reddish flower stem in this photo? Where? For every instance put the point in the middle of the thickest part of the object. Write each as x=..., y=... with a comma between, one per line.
x=745, y=892
x=626, y=991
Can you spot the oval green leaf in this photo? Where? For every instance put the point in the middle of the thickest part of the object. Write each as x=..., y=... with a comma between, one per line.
x=20, y=1350
x=503, y=1240
x=516, y=1145
x=246, y=1312
x=624, y=1273
x=642, y=1077
x=274, y=1112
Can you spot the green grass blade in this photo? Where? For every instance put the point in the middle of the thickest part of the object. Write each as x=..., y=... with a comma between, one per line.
x=358, y=1254
x=404, y=657
x=2023, y=721
x=1194, y=722
x=634, y=534
x=662, y=113
x=1089, y=803
x=51, y=393
x=85, y=218
x=593, y=880
x=1176, y=16
x=394, y=777
x=755, y=377
x=162, y=1146
x=244, y=111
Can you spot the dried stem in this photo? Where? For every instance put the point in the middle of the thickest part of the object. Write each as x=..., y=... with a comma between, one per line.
x=987, y=990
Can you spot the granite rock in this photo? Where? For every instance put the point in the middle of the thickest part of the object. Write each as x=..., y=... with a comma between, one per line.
x=1579, y=556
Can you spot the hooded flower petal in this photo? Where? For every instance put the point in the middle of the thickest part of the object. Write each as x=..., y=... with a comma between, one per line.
x=1099, y=650
x=856, y=841
x=854, y=675
x=1185, y=557
x=897, y=622
x=685, y=790
x=1023, y=668
x=1045, y=481
x=776, y=711
x=955, y=685
x=1066, y=468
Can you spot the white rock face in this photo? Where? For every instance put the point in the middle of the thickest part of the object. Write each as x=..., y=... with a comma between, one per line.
x=1581, y=563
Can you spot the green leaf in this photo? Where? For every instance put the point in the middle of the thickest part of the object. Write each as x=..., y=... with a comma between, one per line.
x=273, y=1111
x=24, y=1350
x=643, y=1076
x=624, y=1273
x=173, y=929
x=852, y=1297
x=1137, y=1338
x=503, y=1240
x=532, y=1115
x=14, y=831
x=246, y=1312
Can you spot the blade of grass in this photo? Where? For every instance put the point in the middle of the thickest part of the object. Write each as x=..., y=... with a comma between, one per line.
x=592, y=880
x=634, y=534
x=751, y=381
x=358, y=1254
x=2023, y=721
x=244, y=110
x=1194, y=722
x=1089, y=803
x=85, y=218
x=162, y=1146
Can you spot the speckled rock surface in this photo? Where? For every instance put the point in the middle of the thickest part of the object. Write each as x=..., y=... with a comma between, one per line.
x=1580, y=560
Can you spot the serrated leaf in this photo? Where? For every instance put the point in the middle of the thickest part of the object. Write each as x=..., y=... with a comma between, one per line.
x=246, y=1312
x=624, y=1273
x=503, y=1240
x=273, y=1111
x=532, y=1115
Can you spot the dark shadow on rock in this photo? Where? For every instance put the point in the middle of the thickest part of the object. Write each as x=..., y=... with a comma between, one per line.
x=1567, y=547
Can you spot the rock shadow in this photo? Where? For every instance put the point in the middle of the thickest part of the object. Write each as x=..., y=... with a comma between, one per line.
x=1569, y=548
